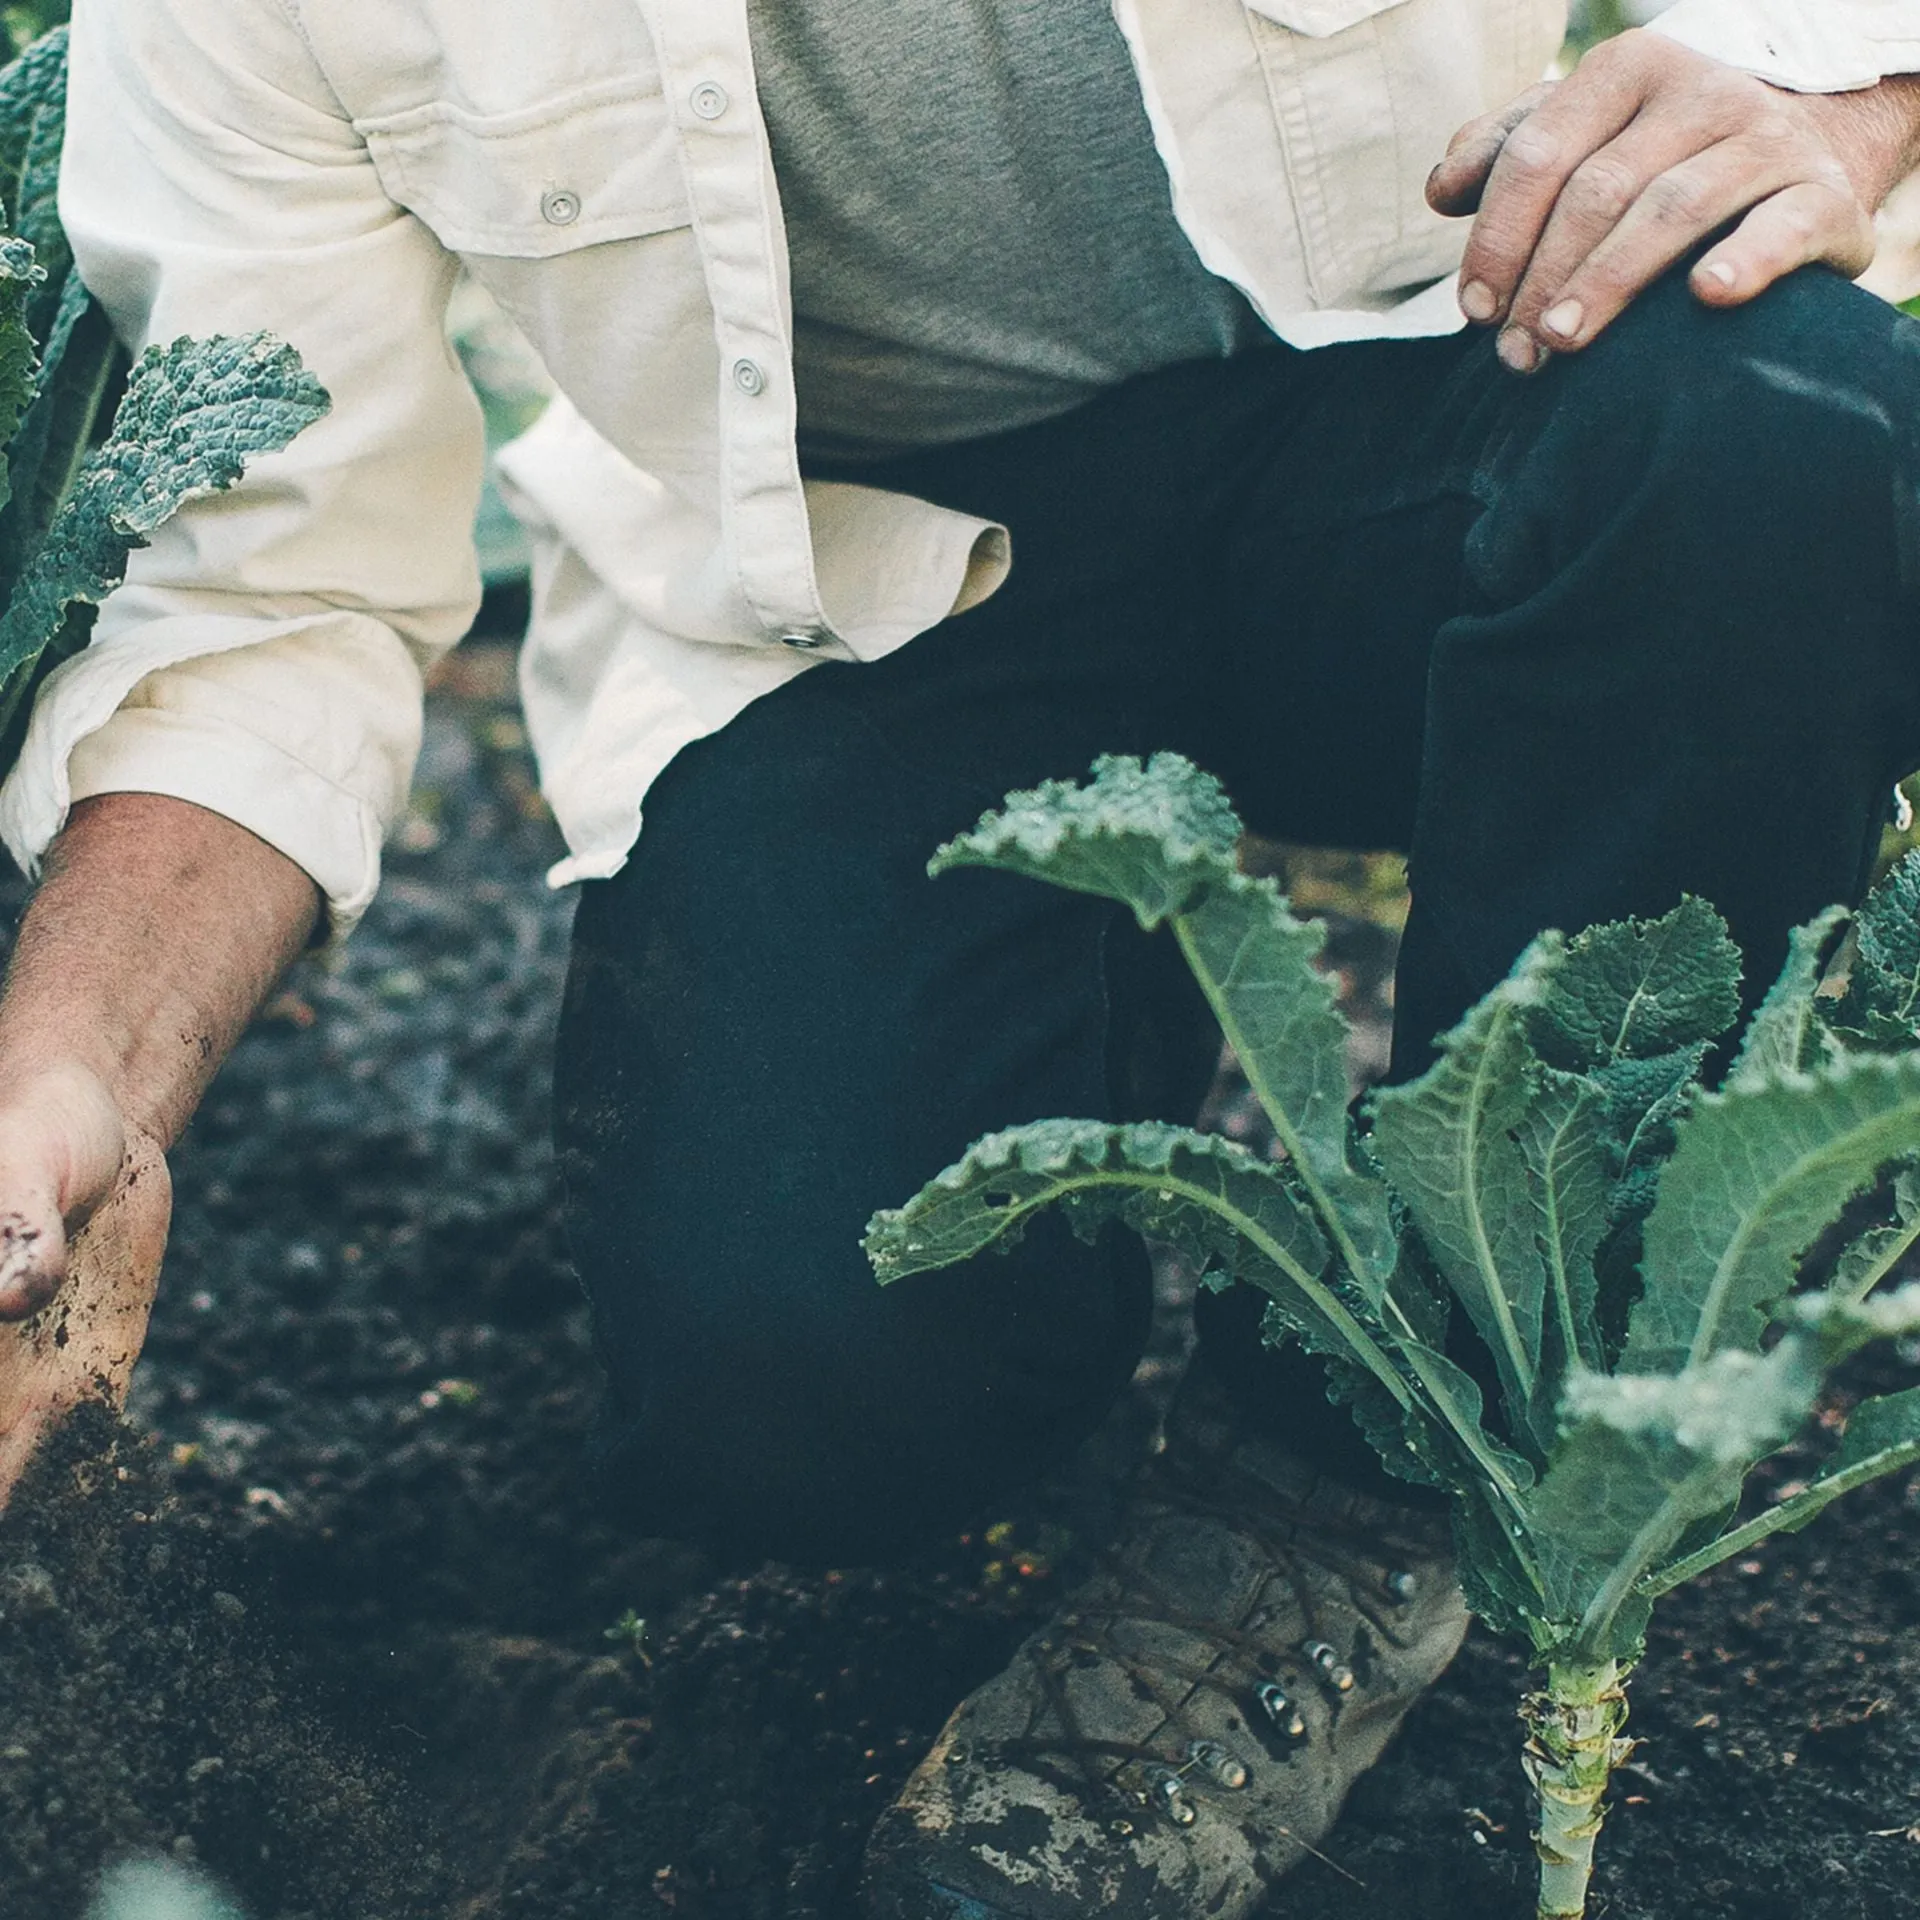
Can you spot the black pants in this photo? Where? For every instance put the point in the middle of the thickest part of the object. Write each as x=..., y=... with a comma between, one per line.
x=1646, y=623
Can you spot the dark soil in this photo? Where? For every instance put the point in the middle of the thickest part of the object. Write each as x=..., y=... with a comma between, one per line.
x=336, y=1617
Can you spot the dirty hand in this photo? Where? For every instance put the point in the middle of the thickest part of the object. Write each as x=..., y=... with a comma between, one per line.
x=84, y=1205
x=1587, y=190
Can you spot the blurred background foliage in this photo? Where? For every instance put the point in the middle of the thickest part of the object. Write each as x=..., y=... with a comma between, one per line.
x=26, y=21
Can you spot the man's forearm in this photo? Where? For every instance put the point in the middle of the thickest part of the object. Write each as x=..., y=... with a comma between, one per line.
x=157, y=932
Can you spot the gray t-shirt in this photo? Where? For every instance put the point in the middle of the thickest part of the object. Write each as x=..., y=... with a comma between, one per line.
x=982, y=233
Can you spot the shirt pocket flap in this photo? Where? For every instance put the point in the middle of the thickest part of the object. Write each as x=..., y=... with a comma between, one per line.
x=599, y=165
x=1320, y=18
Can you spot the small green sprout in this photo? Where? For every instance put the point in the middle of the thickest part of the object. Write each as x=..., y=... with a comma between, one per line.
x=630, y=1631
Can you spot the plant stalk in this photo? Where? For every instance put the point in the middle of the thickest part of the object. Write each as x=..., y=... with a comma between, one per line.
x=1573, y=1746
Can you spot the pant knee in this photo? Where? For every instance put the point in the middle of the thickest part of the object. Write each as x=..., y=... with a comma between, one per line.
x=837, y=1437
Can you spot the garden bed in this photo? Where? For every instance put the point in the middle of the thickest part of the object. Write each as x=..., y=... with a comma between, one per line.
x=344, y=1629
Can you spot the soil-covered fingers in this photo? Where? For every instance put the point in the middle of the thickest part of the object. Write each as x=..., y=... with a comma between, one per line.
x=62, y=1150
x=82, y=1345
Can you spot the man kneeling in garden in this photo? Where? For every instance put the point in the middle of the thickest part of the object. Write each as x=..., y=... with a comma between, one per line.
x=952, y=393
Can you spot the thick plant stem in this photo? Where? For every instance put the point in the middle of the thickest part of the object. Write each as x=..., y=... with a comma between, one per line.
x=1573, y=1746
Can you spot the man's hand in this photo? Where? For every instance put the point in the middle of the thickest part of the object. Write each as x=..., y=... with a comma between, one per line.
x=1587, y=190
x=159, y=929
x=69, y=1166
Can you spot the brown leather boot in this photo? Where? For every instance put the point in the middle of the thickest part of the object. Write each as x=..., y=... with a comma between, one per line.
x=1190, y=1722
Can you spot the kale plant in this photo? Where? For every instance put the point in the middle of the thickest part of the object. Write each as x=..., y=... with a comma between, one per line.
x=1646, y=1267
x=95, y=454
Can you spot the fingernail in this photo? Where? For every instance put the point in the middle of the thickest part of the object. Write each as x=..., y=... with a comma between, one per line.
x=1565, y=319
x=1720, y=273
x=1517, y=350
x=1477, y=301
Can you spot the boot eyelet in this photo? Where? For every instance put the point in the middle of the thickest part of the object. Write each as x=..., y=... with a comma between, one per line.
x=1326, y=1662
x=1402, y=1588
x=1279, y=1708
x=1170, y=1796
x=1221, y=1765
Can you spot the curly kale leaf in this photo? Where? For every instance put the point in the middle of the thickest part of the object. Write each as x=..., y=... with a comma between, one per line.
x=1220, y=1204
x=1642, y=1458
x=1161, y=839
x=19, y=277
x=81, y=364
x=193, y=415
x=1153, y=837
x=1573, y=1167
x=1787, y=1035
x=33, y=124
x=1757, y=1172
x=1639, y=989
x=1879, y=1252
x=1449, y=1143
x=1881, y=1009
x=1229, y=1211
x=82, y=367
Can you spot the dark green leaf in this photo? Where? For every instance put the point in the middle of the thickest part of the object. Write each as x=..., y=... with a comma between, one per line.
x=193, y=415
x=1196, y=1191
x=1634, y=989
x=1882, y=1004
x=33, y=116
x=1573, y=1160
x=1757, y=1172
x=1643, y=1101
x=82, y=366
x=1152, y=837
x=1640, y=1458
x=1877, y=1254
x=18, y=278
x=1161, y=839
x=1255, y=962
x=1497, y=1582
x=1882, y=1437
x=1447, y=1142
x=1787, y=1035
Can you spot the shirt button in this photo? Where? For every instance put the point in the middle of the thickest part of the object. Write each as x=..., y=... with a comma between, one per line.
x=560, y=208
x=709, y=100
x=804, y=642
x=750, y=378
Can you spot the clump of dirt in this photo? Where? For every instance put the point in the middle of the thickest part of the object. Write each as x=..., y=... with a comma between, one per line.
x=458, y=1690
x=147, y=1711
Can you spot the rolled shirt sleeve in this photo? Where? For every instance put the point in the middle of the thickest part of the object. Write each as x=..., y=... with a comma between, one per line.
x=1810, y=46
x=265, y=657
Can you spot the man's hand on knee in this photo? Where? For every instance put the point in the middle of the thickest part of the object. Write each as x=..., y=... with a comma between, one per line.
x=1586, y=191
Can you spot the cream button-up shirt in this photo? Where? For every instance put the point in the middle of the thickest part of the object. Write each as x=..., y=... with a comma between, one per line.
x=322, y=169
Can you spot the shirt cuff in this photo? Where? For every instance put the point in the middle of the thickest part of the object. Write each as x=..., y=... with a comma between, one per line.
x=329, y=833
x=304, y=732
x=1809, y=46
